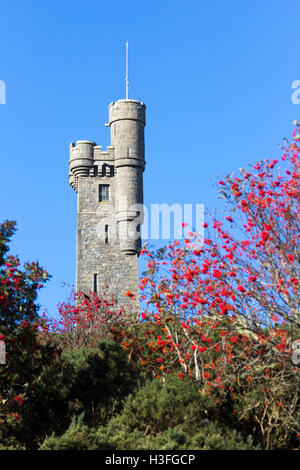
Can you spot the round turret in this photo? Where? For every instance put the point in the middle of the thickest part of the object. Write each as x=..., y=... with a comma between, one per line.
x=81, y=157
x=127, y=121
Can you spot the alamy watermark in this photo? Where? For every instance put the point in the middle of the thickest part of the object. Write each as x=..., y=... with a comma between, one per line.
x=2, y=92
x=296, y=95
x=158, y=222
x=2, y=352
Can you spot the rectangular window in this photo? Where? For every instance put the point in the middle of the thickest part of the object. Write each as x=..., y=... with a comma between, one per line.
x=106, y=234
x=95, y=283
x=103, y=192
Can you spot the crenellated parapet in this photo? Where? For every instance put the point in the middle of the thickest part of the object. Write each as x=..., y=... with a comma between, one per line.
x=88, y=159
x=102, y=155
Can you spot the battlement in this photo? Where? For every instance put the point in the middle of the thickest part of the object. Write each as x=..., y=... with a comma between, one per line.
x=103, y=155
x=127, y=109
x=88, y=159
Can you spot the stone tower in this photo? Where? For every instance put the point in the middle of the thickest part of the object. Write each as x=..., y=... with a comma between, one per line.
x=109, y=186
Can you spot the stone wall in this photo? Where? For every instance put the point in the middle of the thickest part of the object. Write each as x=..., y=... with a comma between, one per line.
x=94, y=256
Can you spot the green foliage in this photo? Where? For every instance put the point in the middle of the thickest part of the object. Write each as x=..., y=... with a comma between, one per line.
x=28, y=377
x=161, y=414
x=77, y=437
x=170, y=414
x=161, y=404
x=9, y=442
x=210, y=437
x=101, y=378
x=41, y=385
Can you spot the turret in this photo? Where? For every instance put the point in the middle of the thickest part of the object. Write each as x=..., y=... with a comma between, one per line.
x=127, y=122
x=81, y=157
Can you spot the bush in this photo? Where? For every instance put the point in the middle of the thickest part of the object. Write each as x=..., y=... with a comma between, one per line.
x=78, y=437
x=162, y=415
x=101, y=379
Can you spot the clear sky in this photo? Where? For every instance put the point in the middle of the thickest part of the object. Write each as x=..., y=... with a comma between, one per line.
x=216, y=77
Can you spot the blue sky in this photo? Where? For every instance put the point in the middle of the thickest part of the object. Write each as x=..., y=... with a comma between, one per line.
x=216, y=78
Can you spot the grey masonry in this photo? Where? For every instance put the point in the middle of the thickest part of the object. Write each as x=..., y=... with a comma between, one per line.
x=109, y=186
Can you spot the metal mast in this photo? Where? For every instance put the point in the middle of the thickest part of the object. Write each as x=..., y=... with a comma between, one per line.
x=127, y=79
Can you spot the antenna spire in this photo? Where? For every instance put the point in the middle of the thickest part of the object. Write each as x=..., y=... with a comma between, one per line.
x=127, y=79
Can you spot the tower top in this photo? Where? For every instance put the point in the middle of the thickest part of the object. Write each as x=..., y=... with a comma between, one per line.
x=124, y=110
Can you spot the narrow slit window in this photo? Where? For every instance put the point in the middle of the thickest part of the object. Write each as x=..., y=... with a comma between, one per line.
x=103, y=192
x=106, y=234
x=95, y=282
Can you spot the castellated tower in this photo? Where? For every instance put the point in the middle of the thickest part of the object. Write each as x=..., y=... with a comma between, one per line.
x=109, y=185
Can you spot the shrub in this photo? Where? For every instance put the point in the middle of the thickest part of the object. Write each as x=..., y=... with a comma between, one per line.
x=162, y=415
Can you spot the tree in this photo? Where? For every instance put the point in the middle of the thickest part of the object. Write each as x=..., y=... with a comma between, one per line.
x=226, y=312
x=85, y=320
x=29, y=379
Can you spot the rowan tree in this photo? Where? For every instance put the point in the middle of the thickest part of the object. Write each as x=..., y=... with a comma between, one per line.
x=225, y=310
